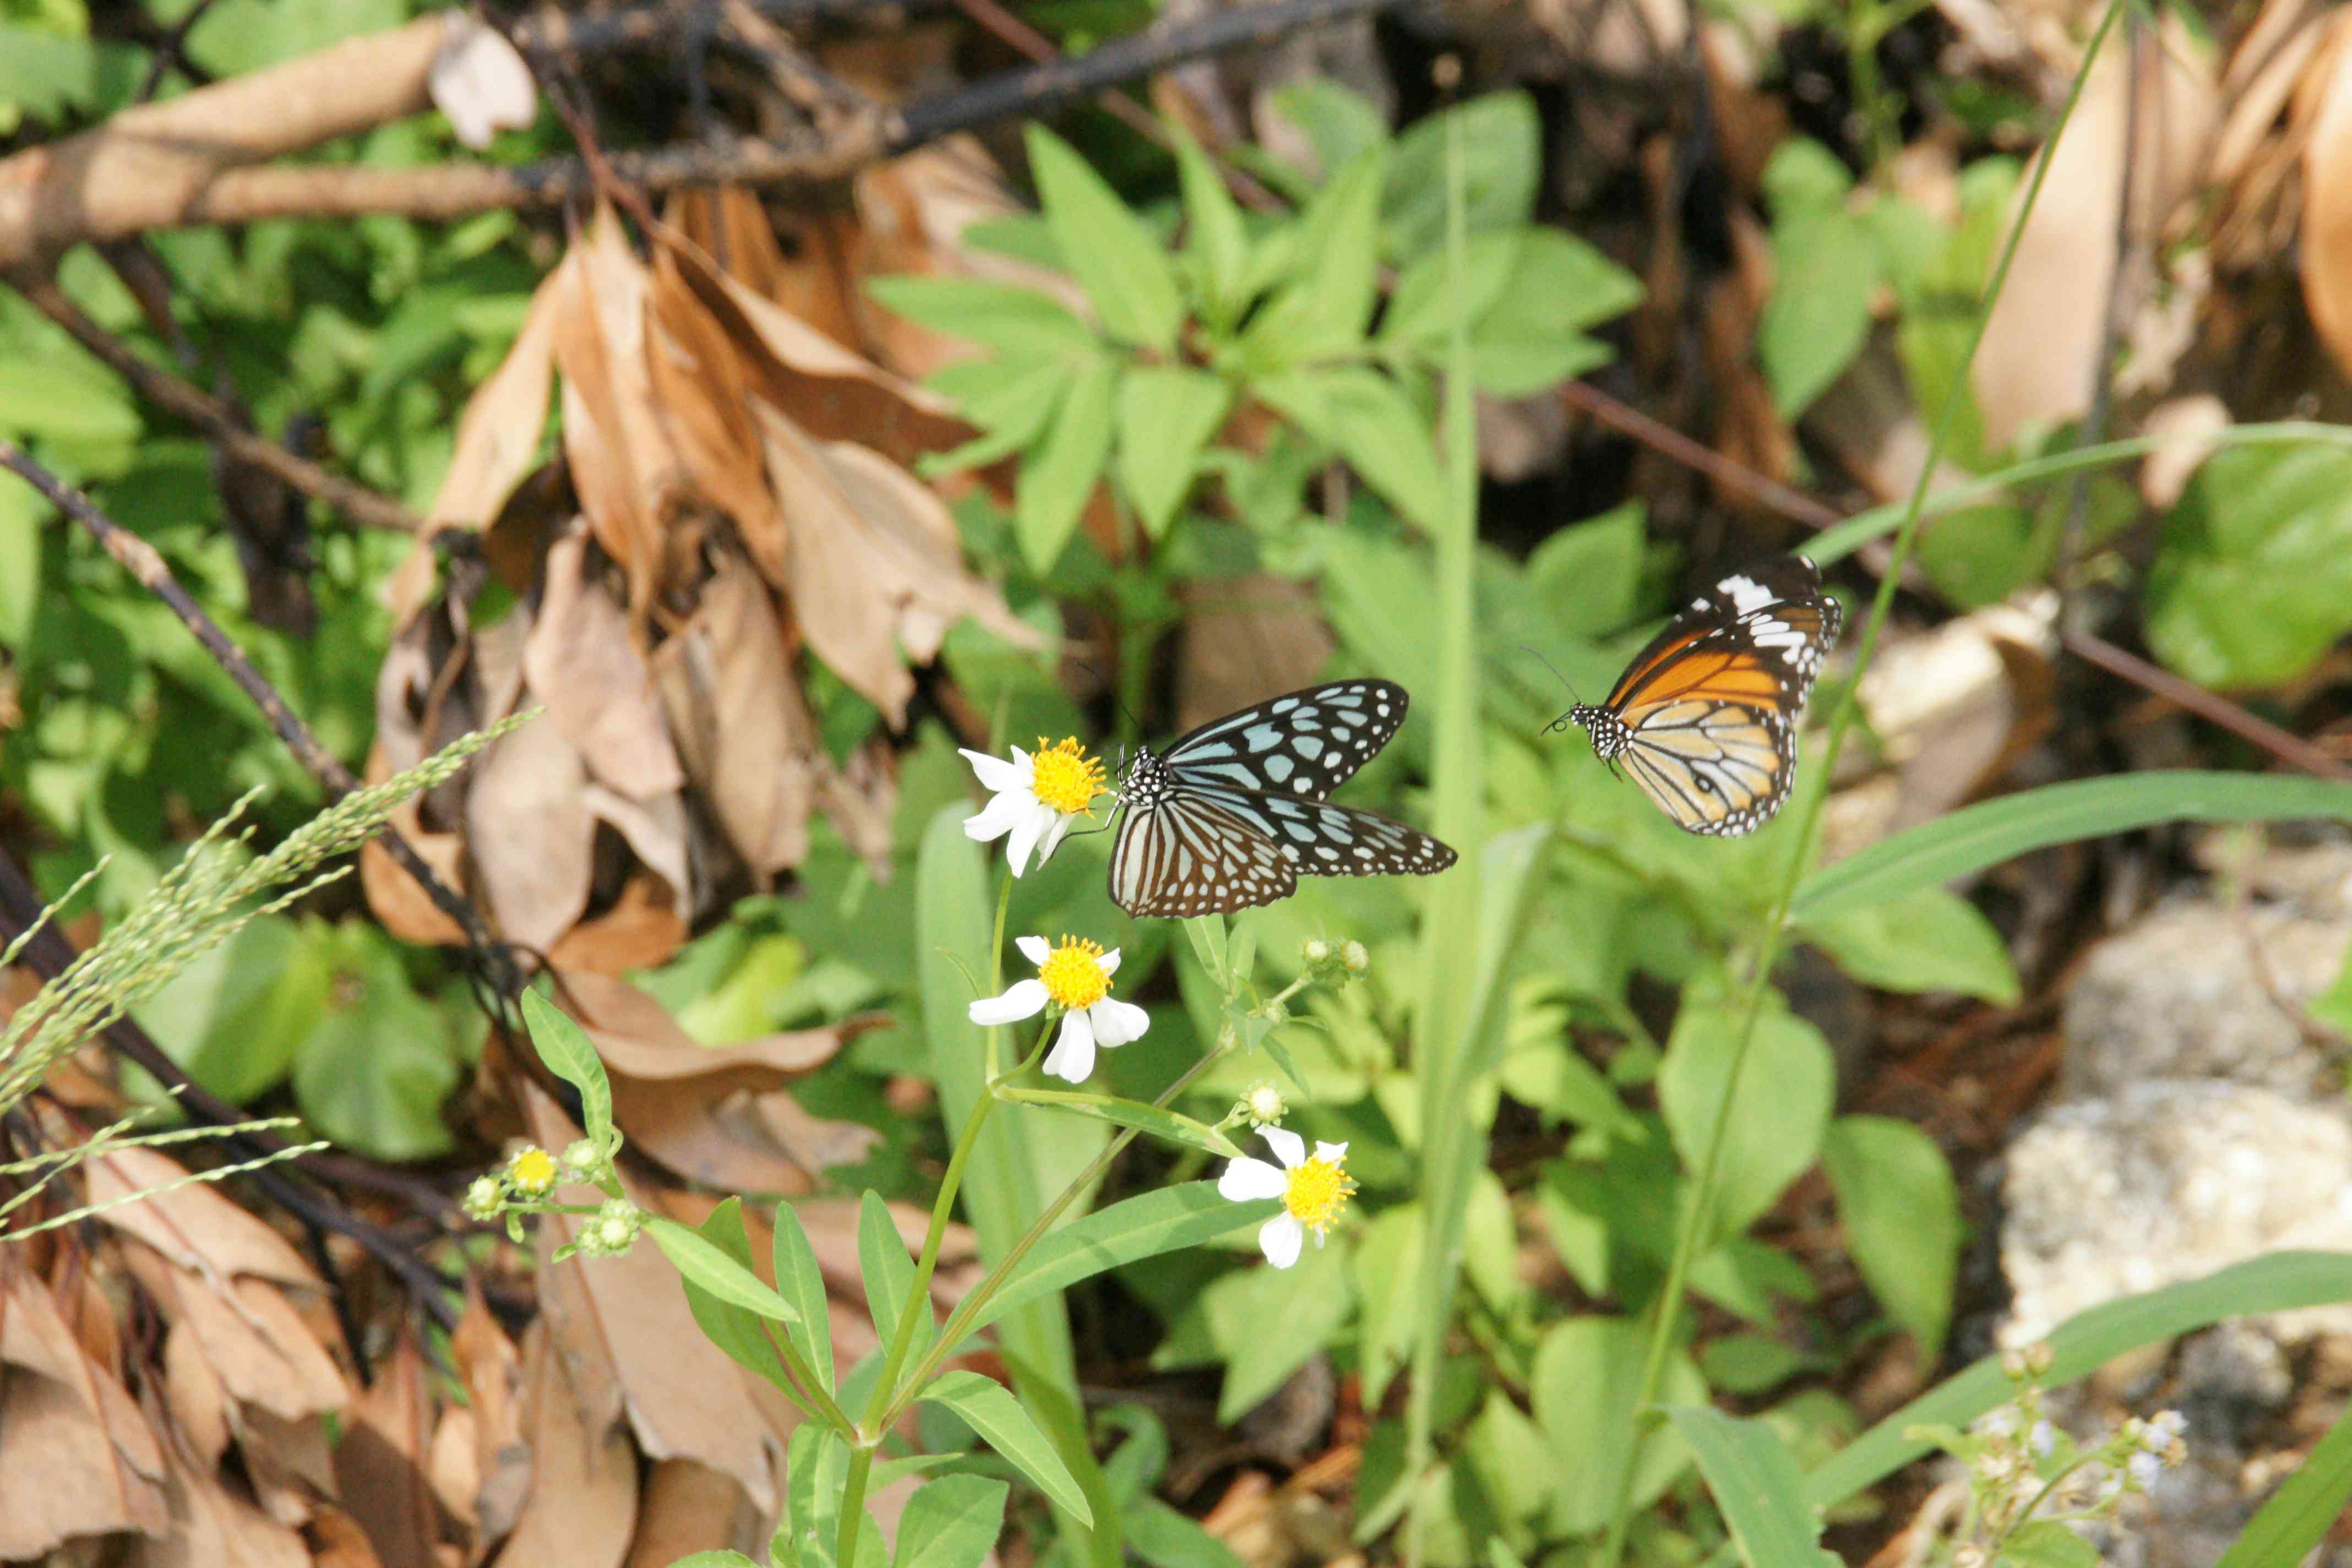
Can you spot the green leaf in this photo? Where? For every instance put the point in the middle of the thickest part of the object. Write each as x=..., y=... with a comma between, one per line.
x=1004, y=1426
x=238, y=1015
x=733, y=1327
x=800, y=1282
x=1927, y=940
x=2047, y=1543
x=1267, y=1322
x=44, y=73
x=888, y=1274
x=1059, y=476
x=1115, y=257
x=1786, y=1086
x=1166, y=1539
x=1587, y=1374
x=717, y=1270
x=714, y=1560
x=1334, y=273
x=1803, y=176
x=1502, y=148
x=1364, y=416
x=1341, y=122
x=566, y=1049
x=1990, y=832
x=1166, y=415
x=375, y=1071
x=1902, y=1215
x=1757, y=1485
x=1216, y=243
x=1142, y=1227
x=1422, y=309
x=1824, y=267
x=2253, y=578
x=1532, y=337
x=1751, y=1364
x=1000, y=315
x=2277, y=1282
x=2299, y=1514
x=1135, y=1113
x=952, y=1523
x=64, y=400
x=1588, y=574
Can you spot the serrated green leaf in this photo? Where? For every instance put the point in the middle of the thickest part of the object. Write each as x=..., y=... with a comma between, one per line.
x=1059, y=475
x=1114, y=257
x=1004, y=1426
x=1166, y=415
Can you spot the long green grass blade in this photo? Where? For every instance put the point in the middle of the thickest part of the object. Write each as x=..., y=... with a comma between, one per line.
x=1757, y=1485
x=1985, y=834
x=2300, y=1513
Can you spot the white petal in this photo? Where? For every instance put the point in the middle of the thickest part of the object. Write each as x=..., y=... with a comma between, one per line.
x=1247, y=1180
x=1035, y=818
x=1110, y=962
x=1115, y=1023
x=1026, y=1000
x=997, y=817
x=1319, y=1239
x=1280, y=1239
x=1333, y=1152
x=997, y=775
x=1053, y=839
x=1073, y=1055
x=1288, y=1147
x=1035, y=948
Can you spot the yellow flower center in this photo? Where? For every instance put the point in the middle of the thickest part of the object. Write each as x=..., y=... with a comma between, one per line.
x=534, y=1169
x=1065, y=778
x=1317, y=1190
x=1074, y=975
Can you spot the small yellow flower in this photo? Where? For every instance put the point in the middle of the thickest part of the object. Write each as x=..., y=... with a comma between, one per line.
x=1065, y=778
x=1075, y=977
x=532, y=1172
x=1033, y=800
x=1313, y=1190
x=1073, y=974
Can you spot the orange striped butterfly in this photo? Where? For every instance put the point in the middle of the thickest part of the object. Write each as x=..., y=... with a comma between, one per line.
x=1704, y=717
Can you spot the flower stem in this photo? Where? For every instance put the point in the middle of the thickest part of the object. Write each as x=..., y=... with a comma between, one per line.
x=852, y=1502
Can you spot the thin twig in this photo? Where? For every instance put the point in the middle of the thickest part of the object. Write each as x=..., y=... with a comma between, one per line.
x=141, y=560
x=210, y=415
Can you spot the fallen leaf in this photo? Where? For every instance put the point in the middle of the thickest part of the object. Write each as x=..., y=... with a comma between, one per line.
x=192, y=1392
x=491, y=1370
x=500, y=434
x=481, y=82
x=211, y=1525
x=704, y=380
x=380, y=1464
x=528, y=834
x=2188, y=426
x=80, y=1458
x=252, y=1339
x=1244, y=640
x=583, y=1506
x=288, y=1463
x=2325, y=250
x=338, y=1542
x=690, y=1508
x=194, y=1227
x=641, y=929
x=581, y=661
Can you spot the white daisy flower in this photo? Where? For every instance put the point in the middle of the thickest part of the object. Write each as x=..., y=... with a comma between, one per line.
x=1075, y=977
x=1312, y=1190
x=1033, y=797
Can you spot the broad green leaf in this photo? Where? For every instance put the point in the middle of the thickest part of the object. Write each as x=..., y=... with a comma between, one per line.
x=1533, y=336
x=1509, y=1454
x=2047, y=1543
x=2253, y=578
x=1588, y=574
x=1929, y=940
x=1390, y=1267
x=1502, y=164
x=1060, y=473
x=1216, y=244
x=1981, y=555
x=1422, y=308
x=1115, y=257
x=1824, y=267
x=1166, y=1539
x=1785, y=1088
x=799, y=1281
x=1751, y=1364
x=21, y=510
x=1993, y=831
x=1341, y=122
x=2299, y=1515
x=1803, y=176
x=1587, y=1374
x=717, y=1270
x=2277, y=1282
x=64, y=401
x=1152, y=1119
x=1141, y=1227
x=954, y=1523
x=566, y=1049
x=1333, y=275
x=1004, y=1426
x=238, y=1013
x=1001, y=315
x=375, y=1071
x=734, y=1327
x=889, y=1275
x=1902, y=1215
x=44, y=73
x=1370, y=422
x=1757, y=1485
x=1267, y=1322
x=1166, y=415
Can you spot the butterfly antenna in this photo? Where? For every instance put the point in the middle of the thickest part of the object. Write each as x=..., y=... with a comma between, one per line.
x=1110, y=689
x=1560, y=723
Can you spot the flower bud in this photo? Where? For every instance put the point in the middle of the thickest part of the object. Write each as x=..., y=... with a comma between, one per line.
x=1353, y=957
x=485, y=1195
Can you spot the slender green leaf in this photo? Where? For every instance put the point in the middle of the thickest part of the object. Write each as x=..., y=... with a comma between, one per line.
x=1216, y=243
x=954, y=1523
x=1004, y=1426
x=1110, y=252
x=1757, y=1485
x=1335, y=272
x=1000, y=315
x=889, y=1275
x=1587, y=1375
x=1135, y=1113
x=799, y=1281
x=1368, y=419
x=1976, y=836
x=1775, y=1130
x=716, y=1270
x=733, y=1327
x=1059, y=476
x=1166, y=415
x=2299, y=1514
x=564, y=1047
x=1141, y=1227
x=1902, y=1213
x=1929, y=940
x=2080, y=1345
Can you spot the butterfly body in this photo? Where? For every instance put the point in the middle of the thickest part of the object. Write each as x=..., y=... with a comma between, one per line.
x=1233, y=814
x=1704, y=718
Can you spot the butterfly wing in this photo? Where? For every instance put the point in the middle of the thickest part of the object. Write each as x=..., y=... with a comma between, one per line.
x=1183, y=855
x=1304, y=743
x=1317, y=838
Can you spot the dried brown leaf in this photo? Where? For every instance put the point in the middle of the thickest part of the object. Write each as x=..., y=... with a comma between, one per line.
x=498, y=434
x=195, y=1227
x=288, y=1462
x=582, y=661
x=257, y=1345
x=210, y=1526
x=192, y=1392
x=491, y=1369
x=1243, y=640
x=338, y=1542
x=380, y=1465
x=529, y=834
x=2326, y=249
x=583, y=1506
x=702, y=374
x=691, y=1507
x=77, y=1456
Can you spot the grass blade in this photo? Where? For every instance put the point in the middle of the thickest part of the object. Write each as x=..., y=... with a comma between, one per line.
x=1758, y=1485
x=2302, y=1511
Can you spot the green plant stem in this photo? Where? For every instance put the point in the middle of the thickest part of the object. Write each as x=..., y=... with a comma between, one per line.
x=1693, y=1225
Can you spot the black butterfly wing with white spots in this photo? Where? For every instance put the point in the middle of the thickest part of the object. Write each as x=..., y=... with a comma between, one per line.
x=1305, y=743
x=1185, y=855
x=1317, y=838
